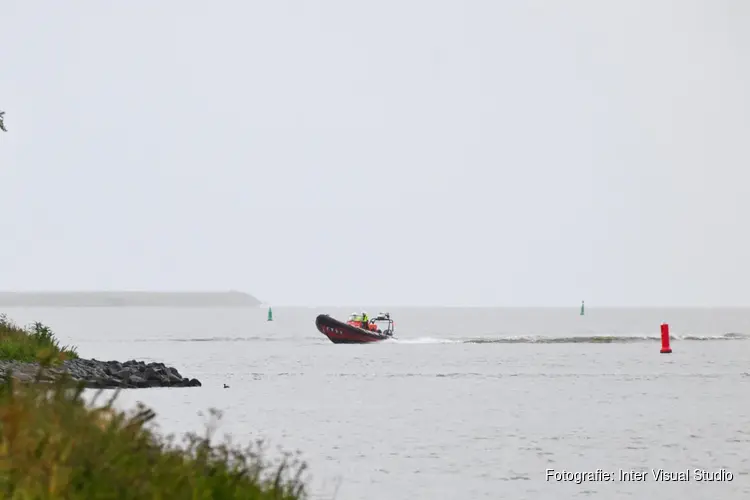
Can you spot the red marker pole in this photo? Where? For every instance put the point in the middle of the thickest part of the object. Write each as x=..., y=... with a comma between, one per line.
x=665, y=349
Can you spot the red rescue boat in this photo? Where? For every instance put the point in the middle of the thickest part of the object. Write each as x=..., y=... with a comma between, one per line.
x=355, y=331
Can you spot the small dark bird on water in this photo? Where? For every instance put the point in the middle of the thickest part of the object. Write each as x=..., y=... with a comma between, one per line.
x=2, y=124
x=226, y=386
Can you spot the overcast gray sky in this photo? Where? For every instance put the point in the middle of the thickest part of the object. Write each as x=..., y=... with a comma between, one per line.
x=406, y=152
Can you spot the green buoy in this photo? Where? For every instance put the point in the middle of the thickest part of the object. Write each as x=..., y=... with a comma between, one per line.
x=270, y=314
x=581, y=308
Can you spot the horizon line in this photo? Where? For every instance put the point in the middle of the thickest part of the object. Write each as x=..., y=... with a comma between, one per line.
x=485, y=306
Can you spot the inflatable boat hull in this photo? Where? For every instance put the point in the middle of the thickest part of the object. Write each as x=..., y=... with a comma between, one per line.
x=339, y=332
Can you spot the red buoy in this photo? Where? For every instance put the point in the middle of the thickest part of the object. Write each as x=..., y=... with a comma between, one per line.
x=665, y=349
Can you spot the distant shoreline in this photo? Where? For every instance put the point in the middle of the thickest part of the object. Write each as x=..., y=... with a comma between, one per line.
x=127, y=299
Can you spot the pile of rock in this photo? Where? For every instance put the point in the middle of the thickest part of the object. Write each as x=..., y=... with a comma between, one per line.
x=103, y=374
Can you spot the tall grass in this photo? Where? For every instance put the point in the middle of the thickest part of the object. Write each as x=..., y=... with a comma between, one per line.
x=31, y=343
x=54, y=446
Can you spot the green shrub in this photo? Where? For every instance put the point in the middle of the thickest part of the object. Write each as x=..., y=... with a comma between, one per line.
x=55, y=446
x=31, y=343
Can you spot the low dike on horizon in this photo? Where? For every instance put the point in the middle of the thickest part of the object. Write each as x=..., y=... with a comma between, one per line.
x=127, y=299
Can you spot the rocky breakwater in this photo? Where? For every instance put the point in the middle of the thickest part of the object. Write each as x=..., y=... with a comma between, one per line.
x=102, y=374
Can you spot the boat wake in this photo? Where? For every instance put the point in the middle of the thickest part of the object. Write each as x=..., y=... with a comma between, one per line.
x=588, y=339
x=422, y=340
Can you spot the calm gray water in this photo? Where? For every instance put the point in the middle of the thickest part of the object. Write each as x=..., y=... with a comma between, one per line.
x=466, y=404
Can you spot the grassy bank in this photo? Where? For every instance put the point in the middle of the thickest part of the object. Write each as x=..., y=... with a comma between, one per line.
x=30, y=343
x=55, y=446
